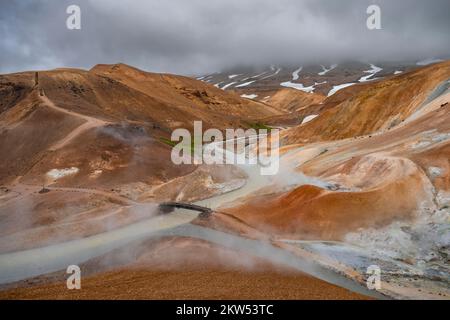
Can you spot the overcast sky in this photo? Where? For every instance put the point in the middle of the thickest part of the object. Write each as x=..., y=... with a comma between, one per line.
x=202, y=36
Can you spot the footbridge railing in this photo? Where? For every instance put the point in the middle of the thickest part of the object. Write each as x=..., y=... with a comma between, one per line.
x=166, y=207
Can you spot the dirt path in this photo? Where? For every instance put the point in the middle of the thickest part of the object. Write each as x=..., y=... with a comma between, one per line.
x=90, y=122
x=24, y=189
x=108, y=194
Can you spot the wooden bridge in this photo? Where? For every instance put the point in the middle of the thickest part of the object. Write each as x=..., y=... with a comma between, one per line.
x=167, y=207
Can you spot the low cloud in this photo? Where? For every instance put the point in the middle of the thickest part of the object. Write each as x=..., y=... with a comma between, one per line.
x=197, y=36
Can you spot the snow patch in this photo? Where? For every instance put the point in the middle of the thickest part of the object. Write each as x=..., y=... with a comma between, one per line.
x=273, y=74
x=339, y=87
x=295, y=74
x=297, y=86
x=245, y=84
x=61, y=173
x=249, y=96
x=326, y=70
x=260, y=74
x=228, y=85
x=398, y=72
x=255, y=76
x=374, y=70
x=206, y=78
x=309, y=118
x=265, y=99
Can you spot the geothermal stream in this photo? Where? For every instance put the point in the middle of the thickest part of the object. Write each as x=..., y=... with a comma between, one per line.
x=20, y=265
x=25, y=264
x=254, y=181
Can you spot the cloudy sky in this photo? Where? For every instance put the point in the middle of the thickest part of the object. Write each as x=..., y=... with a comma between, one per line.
x=201, y=36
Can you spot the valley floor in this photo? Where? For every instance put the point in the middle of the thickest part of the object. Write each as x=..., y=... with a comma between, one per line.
x=181, y=268
x=350, y=193
x=204, y=284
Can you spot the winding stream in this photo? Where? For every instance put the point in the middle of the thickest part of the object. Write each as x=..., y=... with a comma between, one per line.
x=25, y=264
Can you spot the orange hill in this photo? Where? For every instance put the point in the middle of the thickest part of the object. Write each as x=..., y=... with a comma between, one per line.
x=368, y=107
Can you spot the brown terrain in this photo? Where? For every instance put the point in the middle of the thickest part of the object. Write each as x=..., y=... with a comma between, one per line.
x=296, y=104
x=84, y=153
x=182, y=268
x=264, y=82
x=385, y=175
x=361, y=114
